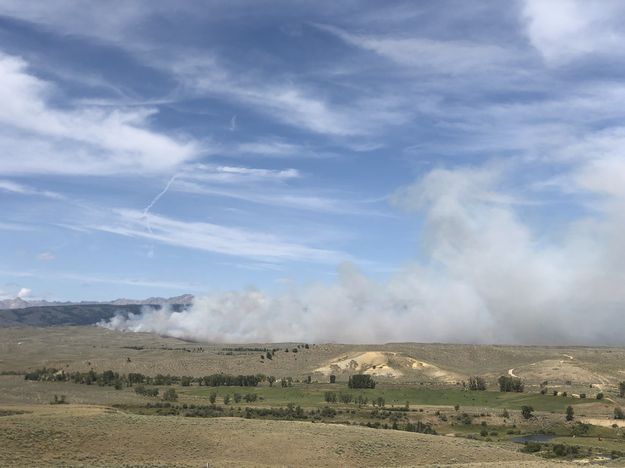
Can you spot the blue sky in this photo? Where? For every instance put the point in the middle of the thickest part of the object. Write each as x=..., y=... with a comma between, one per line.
x=159, y=148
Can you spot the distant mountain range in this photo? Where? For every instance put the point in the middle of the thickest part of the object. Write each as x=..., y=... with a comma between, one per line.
x=17, y=312
x=19, y=303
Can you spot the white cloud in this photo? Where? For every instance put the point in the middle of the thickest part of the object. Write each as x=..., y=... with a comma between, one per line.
x=46, y=256
x=236, y=174
x=39, y=138
x=214, y=238
x=24, y=293
x=14, y=187
x=564, y=30
x=286, y=101
x=275, y=148
x=429, y=54
x=282, y=198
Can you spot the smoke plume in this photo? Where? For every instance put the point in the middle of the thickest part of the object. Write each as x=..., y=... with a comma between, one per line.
x=486, y=277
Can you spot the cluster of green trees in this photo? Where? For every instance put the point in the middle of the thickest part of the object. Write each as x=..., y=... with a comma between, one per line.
x=106, y=378
x=286, y=382
x=226, y=380
x=510, y=384
x=347, y=398
x=361, y=381
x=142, y=390
x=477, y=383
x=111, y=378
x=421, y=427
x=289, y=413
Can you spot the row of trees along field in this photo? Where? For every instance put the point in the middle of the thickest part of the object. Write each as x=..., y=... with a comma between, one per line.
x=356, y=381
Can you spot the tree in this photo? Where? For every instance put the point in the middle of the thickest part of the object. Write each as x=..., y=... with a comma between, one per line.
x=510, y=384
x=227, y=399
x=330, y=397
x=621, y=389
x=271, y=379
x=526, y=412
x=569, y=413
x=477, y=383
x=185, y=381
x=237, y=397
x=619, y=413
x=361, y=381
x=505, y=414
x=379, y=401
x=600, y=396
x=333, y=378
x=170, y=395
x=212, y=397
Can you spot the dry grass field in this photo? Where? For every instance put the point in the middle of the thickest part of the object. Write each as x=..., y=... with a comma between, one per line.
x=104, y=426
x=83, y=348
x=77, y=435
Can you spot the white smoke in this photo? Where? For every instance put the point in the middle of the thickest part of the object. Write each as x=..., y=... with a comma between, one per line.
x=487, y=278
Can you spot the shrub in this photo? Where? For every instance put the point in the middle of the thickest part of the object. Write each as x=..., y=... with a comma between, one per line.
x=361, y=381
x=333, y=378
x=527, y=411
x=531, y=447
x=345, y=398
x=563, y=450
x=212, y=397
x=600, y=396
x=569, y=413
x=141, y=390
x=618, y=413
x=59, y=400
x=170, y=395
x=330, y=397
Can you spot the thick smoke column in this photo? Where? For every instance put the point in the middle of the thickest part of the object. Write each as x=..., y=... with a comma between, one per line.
x=487, y=279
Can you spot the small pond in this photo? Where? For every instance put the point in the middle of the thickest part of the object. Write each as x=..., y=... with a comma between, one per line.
x=542, y=438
